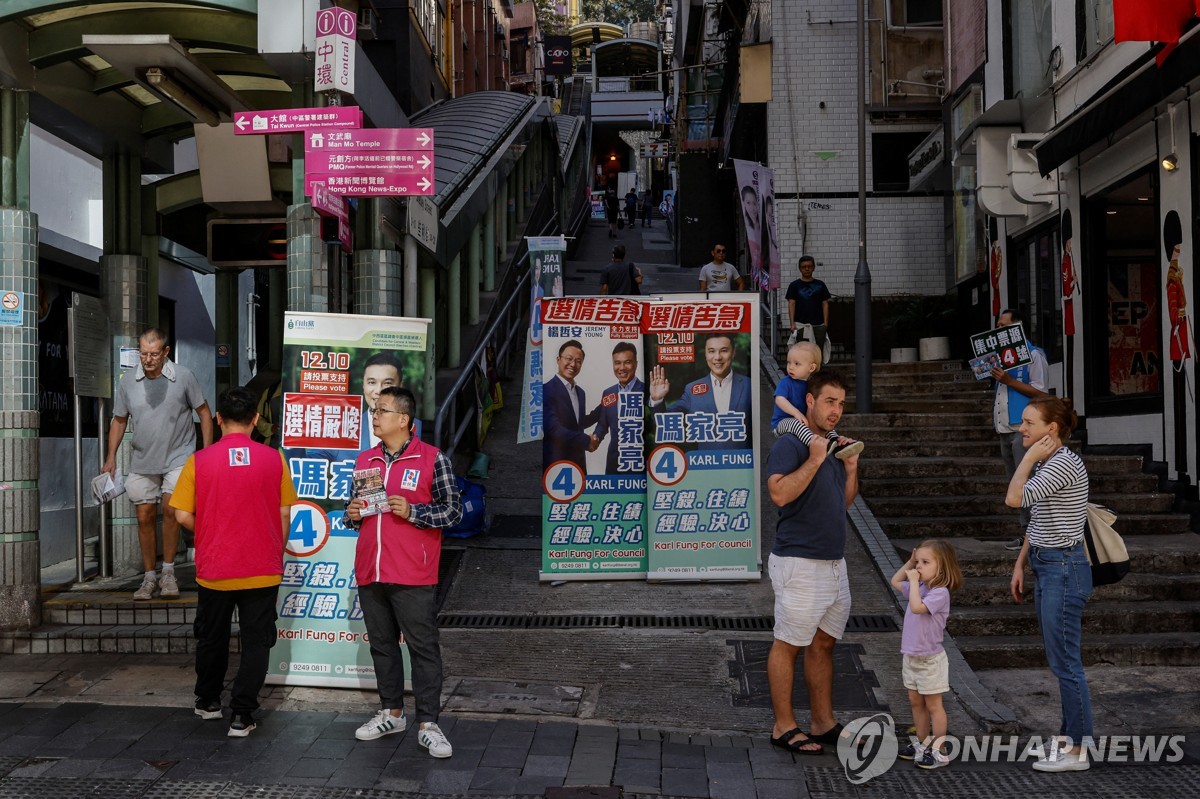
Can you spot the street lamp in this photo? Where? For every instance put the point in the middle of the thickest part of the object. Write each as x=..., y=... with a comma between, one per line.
x=862, y=276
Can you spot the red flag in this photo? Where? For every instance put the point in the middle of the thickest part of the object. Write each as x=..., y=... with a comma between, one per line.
x=1151, y=20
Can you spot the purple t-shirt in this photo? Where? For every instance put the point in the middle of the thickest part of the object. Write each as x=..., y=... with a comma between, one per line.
x=922, y=634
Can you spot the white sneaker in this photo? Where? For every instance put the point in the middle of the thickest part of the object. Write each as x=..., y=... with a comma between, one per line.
x=1059, y=760
x=383, y=723
x=168, y=588
x=433, y=739
x=148, y=590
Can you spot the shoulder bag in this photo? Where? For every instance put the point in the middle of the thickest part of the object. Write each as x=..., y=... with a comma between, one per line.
x=1105, y=549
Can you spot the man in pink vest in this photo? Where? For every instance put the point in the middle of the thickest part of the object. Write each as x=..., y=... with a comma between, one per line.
x=396, y=565
x=236, y=495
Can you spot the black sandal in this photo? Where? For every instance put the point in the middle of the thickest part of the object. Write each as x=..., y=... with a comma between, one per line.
x=830, y=736
x=796, y=747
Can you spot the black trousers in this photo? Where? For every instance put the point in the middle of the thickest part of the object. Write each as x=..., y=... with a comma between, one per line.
x=256, y=617
x=390, y=610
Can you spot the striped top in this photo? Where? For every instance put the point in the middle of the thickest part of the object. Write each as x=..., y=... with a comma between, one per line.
x=1058, y=495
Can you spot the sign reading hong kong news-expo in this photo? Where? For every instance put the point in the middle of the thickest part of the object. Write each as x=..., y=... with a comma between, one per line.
x=649, y=456
x=334, y=367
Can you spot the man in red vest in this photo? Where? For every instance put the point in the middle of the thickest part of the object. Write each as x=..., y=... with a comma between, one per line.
x=396, y=566
x=236, y=495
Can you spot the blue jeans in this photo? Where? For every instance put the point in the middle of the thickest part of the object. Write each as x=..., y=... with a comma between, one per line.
x=1064, y=583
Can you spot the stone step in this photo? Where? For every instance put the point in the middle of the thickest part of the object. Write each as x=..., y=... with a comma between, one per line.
x=854, y=426
x=148, y=639
x=968, y=466
x=955, y=389
x=1175, y=554
x=874, y=468
x=892, y=403
x=993, y=504
x=1004, y=526
x=1138, y=649
x=967, y=485
x=75, y=608
x=920, y=449
x=1099, y=618
x=884, y=369
x=906, y=419
x=1137, y=586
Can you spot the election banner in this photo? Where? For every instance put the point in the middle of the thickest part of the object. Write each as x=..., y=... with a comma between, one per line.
x=756, y=194
x=593, y=455
x=546, y=256
x=334, y=367
x=702, y=491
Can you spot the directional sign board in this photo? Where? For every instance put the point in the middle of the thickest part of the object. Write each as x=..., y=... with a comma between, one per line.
x=329, y=204
x=386, y=162
x=295, y=120
x=371, y=139
x=333, y=60
x=380, y=185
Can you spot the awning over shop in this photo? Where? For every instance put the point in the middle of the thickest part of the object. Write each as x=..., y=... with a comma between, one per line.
x=1139, y=87
x=477, y=140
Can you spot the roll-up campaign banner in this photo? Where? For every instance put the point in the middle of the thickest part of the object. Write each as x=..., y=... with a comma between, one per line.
x=546, y=255
x=756, y=191
x=334, y=366
x=593, y=450
x=702, y=491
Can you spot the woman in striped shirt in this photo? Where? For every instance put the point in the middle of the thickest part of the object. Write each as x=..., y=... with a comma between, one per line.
x=1052, y=481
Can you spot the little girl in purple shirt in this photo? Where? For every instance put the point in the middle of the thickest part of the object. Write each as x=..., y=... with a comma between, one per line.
x=927, y=579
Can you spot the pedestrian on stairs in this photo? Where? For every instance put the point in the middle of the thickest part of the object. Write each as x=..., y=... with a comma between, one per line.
x=1014, y=389
x=1052, y=480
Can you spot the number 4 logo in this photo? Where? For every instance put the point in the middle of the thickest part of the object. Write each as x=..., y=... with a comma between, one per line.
x=668, y=465
x=563, y=481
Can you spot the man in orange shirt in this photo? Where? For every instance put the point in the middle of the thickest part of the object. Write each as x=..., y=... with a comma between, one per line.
x=237, y=496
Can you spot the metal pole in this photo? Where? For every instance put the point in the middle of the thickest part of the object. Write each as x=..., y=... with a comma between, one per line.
x=410, y=277
x=862, y=276
x=774, y=306
x=105, y=549
x=78, y=492
x=454, y=313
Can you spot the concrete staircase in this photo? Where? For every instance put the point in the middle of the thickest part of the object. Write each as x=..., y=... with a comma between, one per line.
x=932, y=469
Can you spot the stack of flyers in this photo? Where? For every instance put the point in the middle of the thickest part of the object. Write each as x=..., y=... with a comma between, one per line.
x=984, y=364
x=106, y=487
x=368, y=486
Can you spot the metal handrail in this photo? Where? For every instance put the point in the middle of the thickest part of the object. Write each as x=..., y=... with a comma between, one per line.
x=512, y=326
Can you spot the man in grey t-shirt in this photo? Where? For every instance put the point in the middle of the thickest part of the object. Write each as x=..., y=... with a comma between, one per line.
x=160, y=396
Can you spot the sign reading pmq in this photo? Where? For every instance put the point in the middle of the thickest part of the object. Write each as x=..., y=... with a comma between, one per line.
x=383, y=162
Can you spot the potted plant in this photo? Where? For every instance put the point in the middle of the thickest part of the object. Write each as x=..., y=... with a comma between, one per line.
x=918, y=324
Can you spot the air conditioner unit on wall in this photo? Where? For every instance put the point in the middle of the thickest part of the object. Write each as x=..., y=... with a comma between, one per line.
x=368, y=23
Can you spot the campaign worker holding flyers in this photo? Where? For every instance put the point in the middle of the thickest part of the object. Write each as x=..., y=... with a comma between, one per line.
x=396, y=565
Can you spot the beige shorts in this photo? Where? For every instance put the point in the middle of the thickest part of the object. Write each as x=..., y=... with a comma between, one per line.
x=146, y=489
x=926, y=674
x=809, y=595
